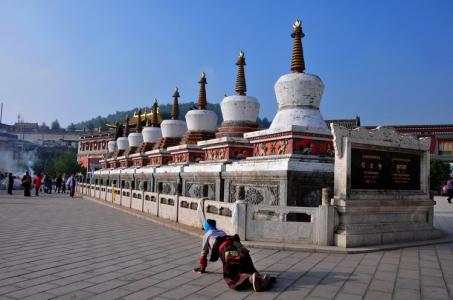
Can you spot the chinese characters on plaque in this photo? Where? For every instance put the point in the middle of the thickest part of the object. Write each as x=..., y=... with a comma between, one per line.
x=387, y=170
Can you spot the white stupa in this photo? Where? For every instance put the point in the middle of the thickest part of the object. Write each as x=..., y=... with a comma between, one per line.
x=152, y=132
x=123, y=141
x=136, y=138
x=299, y=94
x=239, y=111
x=201, y=123
x=112, y=146
x=174, y=128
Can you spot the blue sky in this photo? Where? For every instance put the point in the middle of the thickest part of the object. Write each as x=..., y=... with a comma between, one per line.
x=391, y=62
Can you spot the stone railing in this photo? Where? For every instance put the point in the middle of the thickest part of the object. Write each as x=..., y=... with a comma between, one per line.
x=150, y=203
x=265, y=223
x=187, y=211
x=137, y=200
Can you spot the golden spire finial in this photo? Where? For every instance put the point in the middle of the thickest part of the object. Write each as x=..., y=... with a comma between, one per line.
x=297, y=61
x=202, y=102
x=154, y=117
x=241, y=87
x=175, y=108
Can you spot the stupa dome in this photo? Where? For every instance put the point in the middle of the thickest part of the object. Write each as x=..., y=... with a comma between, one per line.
x=240, y=108
x=112, y=146
x=173, y=128
x=135, y=139
x=122, y=142
x=151, y=134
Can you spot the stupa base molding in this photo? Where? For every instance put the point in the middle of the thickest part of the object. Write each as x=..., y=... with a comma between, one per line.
x=158, y=157
x=226, y=149
x=269, y=143
x=139, y=159
x=184, y=154
x=193, y=137
x=167, y=142
x=235, y=128
x=145, y=147
x=125, y=161
x=130, y=150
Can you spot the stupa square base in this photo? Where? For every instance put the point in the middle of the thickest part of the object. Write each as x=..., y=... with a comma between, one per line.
x=125, y=161
x=187, y=153
x=166, y=142
x=226, y=149
x=158, y=157
x=139, y=160
x=291, y=141
x=112, y=163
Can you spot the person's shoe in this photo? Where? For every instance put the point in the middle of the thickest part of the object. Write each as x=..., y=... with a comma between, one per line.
x=256, y=282
x=264, y=282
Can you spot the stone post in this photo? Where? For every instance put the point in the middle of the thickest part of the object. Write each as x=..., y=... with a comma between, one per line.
x=239, y=213
x=325, y=221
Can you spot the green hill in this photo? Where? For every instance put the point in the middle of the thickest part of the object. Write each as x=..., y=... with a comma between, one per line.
x=165, y=109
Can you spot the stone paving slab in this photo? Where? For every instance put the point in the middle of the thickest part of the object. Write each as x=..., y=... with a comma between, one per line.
x=55, y=247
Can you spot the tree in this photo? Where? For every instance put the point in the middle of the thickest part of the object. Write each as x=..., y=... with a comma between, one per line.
x=90, y=126
x=439, y=173
x=44, y=126
x=55, y=125
x=72, y=127
x=57, y=161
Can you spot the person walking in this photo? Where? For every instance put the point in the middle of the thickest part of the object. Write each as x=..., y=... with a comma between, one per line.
x=449, y=190
x=26, y=183
x=58, y=182
x=10, y=183
x=71, y=183
x=238, y=269
x=49, y=185
x=37, y=182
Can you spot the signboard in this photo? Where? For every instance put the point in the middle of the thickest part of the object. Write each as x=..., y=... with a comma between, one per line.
x=384, y=170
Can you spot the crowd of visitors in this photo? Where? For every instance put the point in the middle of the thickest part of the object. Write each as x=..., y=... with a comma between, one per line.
x=42, y=183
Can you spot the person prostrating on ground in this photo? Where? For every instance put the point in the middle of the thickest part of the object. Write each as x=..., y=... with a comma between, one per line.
x=238, y=269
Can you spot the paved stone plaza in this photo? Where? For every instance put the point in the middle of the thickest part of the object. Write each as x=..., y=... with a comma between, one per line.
x=55, y=247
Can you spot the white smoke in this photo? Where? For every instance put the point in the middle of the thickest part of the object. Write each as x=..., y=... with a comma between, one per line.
x=16, y=163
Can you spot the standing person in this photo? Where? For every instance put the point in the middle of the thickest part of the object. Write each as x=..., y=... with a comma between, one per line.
x=449, y=190
x=10, y=183
x=49, y=185
x=45, y=178
x=71, y=184
x=26, y=183
x=238, y=269
x=58, y=182
x=37, y=182
x=63, y=185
